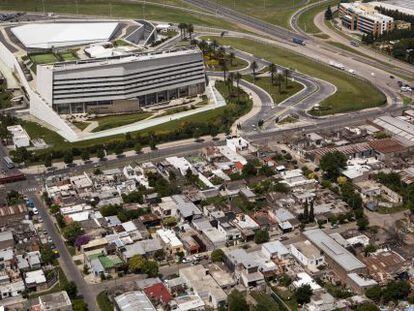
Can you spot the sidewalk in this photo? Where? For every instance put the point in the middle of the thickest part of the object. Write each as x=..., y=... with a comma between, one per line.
x=39, y=169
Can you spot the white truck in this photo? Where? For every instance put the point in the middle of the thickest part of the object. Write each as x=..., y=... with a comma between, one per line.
x=337, y=65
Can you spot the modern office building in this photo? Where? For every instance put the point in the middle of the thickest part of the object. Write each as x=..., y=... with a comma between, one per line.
x=121, y=83
x=363, y=17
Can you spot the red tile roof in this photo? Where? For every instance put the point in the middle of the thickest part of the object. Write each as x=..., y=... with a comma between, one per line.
x=159, y=292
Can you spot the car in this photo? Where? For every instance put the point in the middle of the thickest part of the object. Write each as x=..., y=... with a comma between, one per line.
x=405, y=89
x=49, y=239
x=391, y=77
x=35, y=211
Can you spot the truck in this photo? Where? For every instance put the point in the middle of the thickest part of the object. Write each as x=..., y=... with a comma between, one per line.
x=298, y=41
x=336, y=65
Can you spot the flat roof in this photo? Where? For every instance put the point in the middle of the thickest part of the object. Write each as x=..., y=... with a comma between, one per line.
x=48, y=35
x=334, y=250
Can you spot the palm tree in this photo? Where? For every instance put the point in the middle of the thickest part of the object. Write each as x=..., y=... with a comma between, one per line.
x=181, y=26
x=214, y=44
x=221, y=51
x=232, y=56
x=253, y=67
x=279, y=80
x=230, y=81
x=203, y=45
x=287, y=75
x=190, y=29
x=237, y=78
x=272, y=70
x=224, y=67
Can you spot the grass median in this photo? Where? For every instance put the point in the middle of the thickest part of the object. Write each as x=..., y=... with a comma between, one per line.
x=110, y=122
x=352, y=93
x=306, y=20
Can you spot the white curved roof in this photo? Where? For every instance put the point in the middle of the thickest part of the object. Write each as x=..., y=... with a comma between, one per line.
x=48, y=35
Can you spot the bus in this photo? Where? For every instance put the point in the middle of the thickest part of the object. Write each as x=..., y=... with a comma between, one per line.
x=9, y=163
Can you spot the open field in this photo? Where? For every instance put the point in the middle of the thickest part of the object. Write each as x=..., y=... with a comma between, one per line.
x=277, y=12
x=109, y=122
x=273, y=90
x=305, y=21
x=119, y=8
x=352, y=93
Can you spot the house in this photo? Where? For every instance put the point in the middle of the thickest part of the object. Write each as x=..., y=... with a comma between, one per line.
x=12, y=289
x=275, y=249
x=101, y=264
x=12, y=214
x=58, y=301
x=6, y=240
x=185, y=208
x=294, y=179
x=203, y=285
x=146, y=248
x=385, y=265
x=158, y=292
x=135, y=300
x=170, y=241
x=308, y=255
x=6, y=258
x=339, y=259
x=321, y=301
x=302, y=278
x=35, y=280
x=359, y=283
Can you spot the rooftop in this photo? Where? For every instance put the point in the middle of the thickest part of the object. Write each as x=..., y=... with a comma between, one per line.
x=133, y=301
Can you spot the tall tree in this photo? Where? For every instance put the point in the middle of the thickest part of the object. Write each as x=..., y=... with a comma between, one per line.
x=232, y=57
x=253, y=67
x=286, y=73
x=272, y=70
x=332, y=163
x=311, y=212
x=190, y=29
x=328, y=14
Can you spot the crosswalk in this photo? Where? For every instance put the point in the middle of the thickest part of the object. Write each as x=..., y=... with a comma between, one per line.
x=26, y=190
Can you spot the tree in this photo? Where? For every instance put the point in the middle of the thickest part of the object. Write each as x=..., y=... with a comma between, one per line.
x=306, y=211
x=286, y=73
x=150, y=268
x=362, y=223
x=328, y=14
x=119, y=149
x=68, y=157
x=253, y=67
x=332, y=163
x=396, y=290
x=374, y=293
x=367, y=307
x=47, y=255
x=85, y=155
x=48, y=161
x=100, y=154
x=303, y=294
x=71, y=289
x=190, y=29
x=236, y=301
x=311, y=212
x=181, y=27
x=79, y=305
x=136, y=263
x=261, y=236
x=285, y=280
x=232, y=57
x=217, y=255
x=279, y=81
x=138, y=148
x=272, y=70
x=370, y=248
x=72, y=231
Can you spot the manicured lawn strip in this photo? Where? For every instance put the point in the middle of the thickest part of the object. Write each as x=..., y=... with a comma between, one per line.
x=238, y=64
x=43, y=58
x=305, y=21
x=80, y=125
x=352, y=93
x=120, y=8
x=103, y=302
x=68, y=56
x=109, y=122
x=277, y=12
x=273, y=90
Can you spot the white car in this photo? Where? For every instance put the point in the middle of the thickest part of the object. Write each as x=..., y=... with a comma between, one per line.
x=35, y=211
x=406, y=89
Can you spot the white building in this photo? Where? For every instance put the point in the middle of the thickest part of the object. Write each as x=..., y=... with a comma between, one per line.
x=171, y=242
x=308, y=255
x=19, y=136
x=121, y=83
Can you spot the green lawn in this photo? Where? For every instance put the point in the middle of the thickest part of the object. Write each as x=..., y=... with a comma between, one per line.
x=305, y=21
x=266, y=301
x=45, y=58
x=120, y=8
x=109, y=122
x=35, y=130
x=277, y=12
x=352, y=93
x=103, y=302
x=68, y=56
x=80, y=125
x=237, y=64
x=273, y=90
